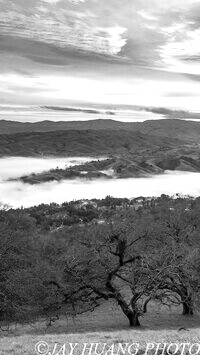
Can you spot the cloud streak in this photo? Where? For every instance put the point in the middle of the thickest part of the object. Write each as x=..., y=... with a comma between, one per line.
x=136, y=45
x=152, y=33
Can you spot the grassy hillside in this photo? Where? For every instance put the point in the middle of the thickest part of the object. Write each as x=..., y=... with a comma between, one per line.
x=173, y=128
x=180, y=129
x=10, y=127
x=102, y=326
x=173, y=223
x=78, y=142
x=120, y=167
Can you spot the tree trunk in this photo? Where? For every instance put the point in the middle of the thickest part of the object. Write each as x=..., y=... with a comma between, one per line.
x=131, y=313
x=145, y=304
x=187, y=308
x=187, y=304
x=133, y=319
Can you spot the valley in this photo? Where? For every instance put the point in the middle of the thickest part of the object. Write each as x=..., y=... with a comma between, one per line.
x=133, y=150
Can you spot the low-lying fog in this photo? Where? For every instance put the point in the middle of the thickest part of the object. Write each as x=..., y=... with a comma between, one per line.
x=18, y=194
x=12, y=167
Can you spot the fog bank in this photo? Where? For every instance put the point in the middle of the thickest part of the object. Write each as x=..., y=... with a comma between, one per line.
x=18, y=194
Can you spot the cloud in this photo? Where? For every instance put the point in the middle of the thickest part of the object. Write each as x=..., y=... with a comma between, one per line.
x=145, y=44
x=103, y=28
x=180, y=51
x=63, y=28
x=51, y=1
x=76, y=2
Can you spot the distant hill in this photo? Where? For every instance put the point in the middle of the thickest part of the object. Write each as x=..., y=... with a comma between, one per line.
x=137, y=149
x=80, y=143
x=171, y=128
x=9, y=127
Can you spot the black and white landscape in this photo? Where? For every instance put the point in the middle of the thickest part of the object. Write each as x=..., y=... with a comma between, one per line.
x=99, y=177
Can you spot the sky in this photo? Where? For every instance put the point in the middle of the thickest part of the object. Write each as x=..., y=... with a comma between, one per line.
x=130, y=52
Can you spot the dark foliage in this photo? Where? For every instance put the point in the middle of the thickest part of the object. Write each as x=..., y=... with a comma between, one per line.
x=59, y=259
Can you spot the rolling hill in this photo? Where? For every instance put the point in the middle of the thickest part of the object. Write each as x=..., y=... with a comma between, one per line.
x=171, y=128
x=80, y=143
x=138, y=149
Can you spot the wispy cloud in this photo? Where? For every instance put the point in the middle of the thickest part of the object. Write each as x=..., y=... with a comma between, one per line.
x=51, y=1
x=138, y=44
x=146, y=33
x=63, y=27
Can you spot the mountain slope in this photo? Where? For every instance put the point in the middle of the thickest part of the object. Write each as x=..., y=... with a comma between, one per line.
x=79, y=142
x=172, y=128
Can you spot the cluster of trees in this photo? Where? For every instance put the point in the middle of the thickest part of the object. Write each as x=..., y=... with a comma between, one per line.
x=149, y=255
x=135, y=257
x=67, y=214
x=25, y=288
x=53, y=215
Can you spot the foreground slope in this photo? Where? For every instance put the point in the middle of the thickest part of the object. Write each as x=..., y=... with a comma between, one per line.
x=102, y=326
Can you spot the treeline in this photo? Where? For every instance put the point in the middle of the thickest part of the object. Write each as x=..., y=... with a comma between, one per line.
x=136, y=256
x=53, y=215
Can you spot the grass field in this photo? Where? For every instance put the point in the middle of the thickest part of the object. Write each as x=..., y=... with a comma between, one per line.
x=105, y=325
